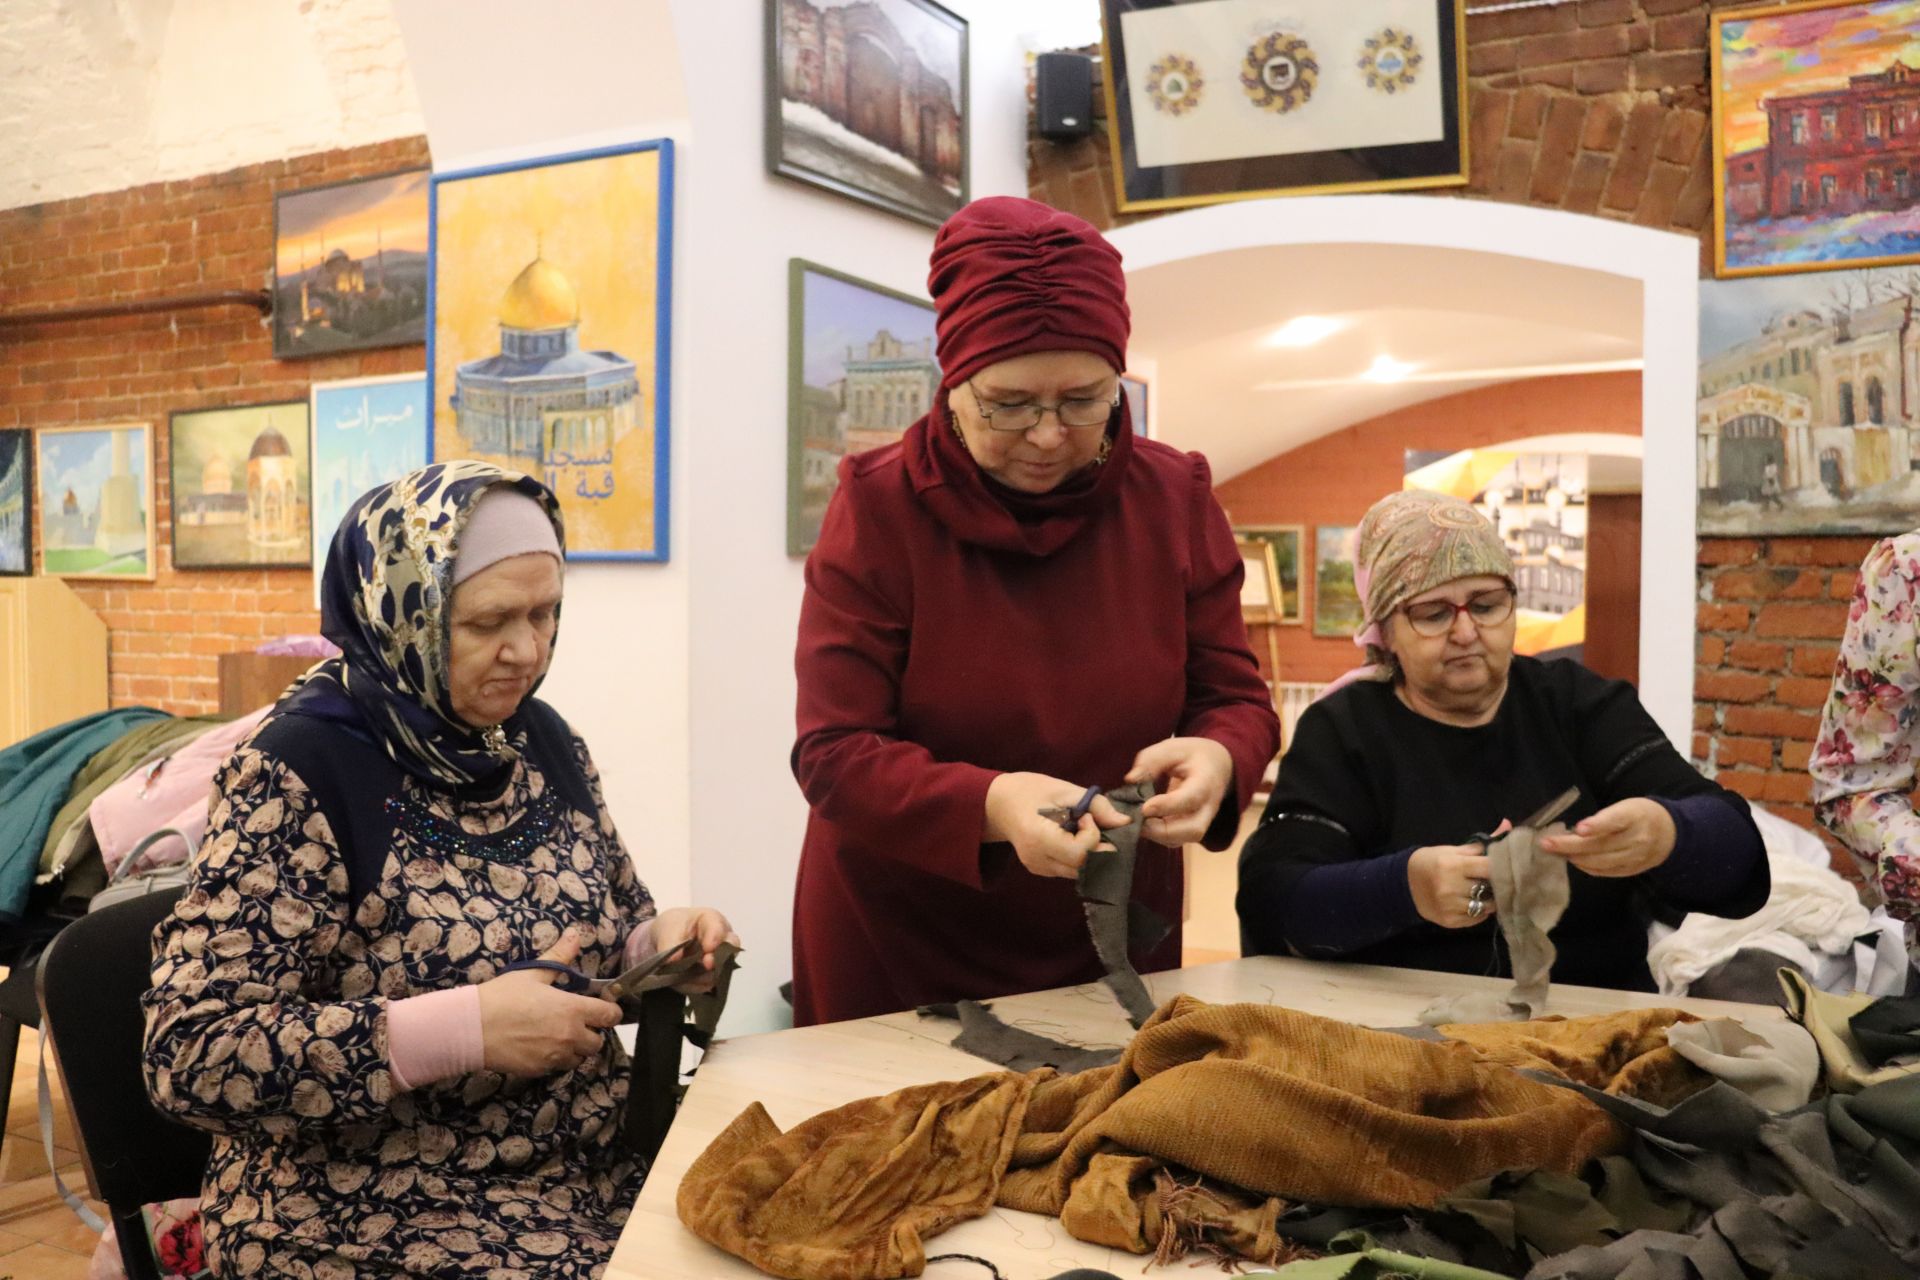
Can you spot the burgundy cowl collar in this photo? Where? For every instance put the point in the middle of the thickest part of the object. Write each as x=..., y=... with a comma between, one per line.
x=978, y=509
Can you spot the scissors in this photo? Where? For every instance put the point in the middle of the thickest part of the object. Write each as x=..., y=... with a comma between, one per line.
x=571, y=980
x=1477, y=899
x=1069, y=819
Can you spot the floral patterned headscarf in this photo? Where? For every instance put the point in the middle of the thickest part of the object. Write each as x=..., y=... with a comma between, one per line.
x=1408, y=543
x=385, y=599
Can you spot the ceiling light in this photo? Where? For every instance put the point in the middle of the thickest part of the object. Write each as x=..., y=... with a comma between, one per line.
x=1387, y=369
x=1303, y=331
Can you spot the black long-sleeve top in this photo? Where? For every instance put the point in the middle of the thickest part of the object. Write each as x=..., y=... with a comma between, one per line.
x=1367, y=780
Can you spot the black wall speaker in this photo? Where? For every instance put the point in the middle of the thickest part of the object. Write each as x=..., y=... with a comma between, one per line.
x=1063, y=96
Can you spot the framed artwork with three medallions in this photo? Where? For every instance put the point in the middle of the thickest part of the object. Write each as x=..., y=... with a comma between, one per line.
x=1214, y=100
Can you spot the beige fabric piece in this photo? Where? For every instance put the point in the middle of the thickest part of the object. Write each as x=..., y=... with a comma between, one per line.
x=1771, y=1060
x=1825, y=1014
x=1530, y=889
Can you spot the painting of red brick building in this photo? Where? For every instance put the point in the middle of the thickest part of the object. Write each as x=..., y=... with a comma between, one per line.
x=868, y=98
x=1817, y=136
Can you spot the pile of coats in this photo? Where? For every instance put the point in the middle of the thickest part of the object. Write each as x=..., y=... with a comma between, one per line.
x=76, y=798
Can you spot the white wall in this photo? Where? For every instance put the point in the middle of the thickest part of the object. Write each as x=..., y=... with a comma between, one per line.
x=681, y=675
x=495, y=87
x=742, y=225
x=101, y=95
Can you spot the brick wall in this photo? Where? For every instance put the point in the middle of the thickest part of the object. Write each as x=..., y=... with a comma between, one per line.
x=1333, y=479
x=1771, y=615
x=206, y=233
x=1601, y=107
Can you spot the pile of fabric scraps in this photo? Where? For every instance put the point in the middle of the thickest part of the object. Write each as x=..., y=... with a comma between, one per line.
x=1261, y=1108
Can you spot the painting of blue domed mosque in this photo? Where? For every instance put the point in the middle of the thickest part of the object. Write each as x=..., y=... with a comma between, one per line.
x=366, y=431
x=548, y=348
x=16, y=502
x=96, y=500
x=350, y=266
x=241, y=487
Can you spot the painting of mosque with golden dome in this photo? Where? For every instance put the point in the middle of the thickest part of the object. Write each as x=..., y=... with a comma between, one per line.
x=242, y=487
x=547, y=349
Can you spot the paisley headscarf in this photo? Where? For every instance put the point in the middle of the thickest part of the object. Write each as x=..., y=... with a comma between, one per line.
x=1411, y=542
x=386, y=600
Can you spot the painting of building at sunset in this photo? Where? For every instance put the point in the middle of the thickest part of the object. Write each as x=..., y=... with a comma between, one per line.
x=1819, y=113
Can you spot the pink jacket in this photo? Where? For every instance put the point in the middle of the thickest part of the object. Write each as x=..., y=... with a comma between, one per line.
x=173, y=791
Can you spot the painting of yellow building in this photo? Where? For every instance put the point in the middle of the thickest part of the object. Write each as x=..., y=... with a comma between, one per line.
x=549, y=335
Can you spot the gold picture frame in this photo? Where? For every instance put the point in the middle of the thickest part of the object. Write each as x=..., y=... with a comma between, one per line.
x=1810, y=201
x=1341, y=69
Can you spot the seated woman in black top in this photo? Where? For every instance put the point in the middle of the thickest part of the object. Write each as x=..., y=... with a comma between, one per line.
x=1360, y=855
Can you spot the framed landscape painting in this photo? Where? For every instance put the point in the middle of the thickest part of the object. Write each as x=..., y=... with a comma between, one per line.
x=548, y=354
x=868, y=98
x=1241, y=99
x=350, y=266
x=366, y=431
x=16, y=502
x=1816, y=136
x=1336, y=599
x=1285, y=541
x=860, y=371
x=242, y=486
x=1806, y=421
x=96, y=500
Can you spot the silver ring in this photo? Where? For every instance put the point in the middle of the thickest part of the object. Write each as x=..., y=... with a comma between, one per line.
x=1476, y=907
x=1480, y=892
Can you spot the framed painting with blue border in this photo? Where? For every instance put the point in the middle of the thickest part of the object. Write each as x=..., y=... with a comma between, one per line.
x=868, y=98
x=16, y=502
x=548, y=347
x=366, y=431
x=350, y=265
x=860, y=371
x=1816, y=136
x=1241, y=99
x=96, y=501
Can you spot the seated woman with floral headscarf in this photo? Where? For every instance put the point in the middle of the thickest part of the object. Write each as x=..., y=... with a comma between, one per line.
x=1364, y=852
x=332, y=995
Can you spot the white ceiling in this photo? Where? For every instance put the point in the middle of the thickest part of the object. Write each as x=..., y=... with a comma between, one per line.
x=1462, y=318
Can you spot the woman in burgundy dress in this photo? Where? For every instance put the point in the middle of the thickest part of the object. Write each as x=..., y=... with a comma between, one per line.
x=1018, y=600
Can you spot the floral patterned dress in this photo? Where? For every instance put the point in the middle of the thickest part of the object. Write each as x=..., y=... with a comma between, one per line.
x=1863, y=763
x=267, y=1025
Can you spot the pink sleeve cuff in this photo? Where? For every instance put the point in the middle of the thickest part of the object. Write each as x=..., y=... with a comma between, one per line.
x=435, y=1036
x=640, y=942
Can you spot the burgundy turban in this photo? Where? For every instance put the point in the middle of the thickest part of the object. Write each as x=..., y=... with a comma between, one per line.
x=1012, y=276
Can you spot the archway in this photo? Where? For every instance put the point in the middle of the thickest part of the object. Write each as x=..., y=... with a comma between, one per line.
x=1662, y=265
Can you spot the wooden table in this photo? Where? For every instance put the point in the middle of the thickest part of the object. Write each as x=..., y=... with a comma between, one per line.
x=800, y=1073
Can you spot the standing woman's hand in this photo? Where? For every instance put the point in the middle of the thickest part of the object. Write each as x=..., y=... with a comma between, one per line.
x=1014, y=801
x=1190, y=778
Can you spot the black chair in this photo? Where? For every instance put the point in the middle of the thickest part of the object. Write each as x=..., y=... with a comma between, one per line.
x=91, y=978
